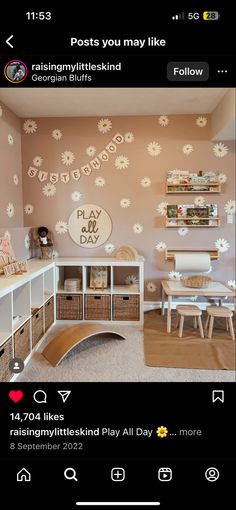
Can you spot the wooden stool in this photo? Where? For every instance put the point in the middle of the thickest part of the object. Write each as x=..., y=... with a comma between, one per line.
x=219, y=311
x=189, y=311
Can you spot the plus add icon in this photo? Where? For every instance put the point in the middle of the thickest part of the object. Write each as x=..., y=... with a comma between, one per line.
x=118, y=474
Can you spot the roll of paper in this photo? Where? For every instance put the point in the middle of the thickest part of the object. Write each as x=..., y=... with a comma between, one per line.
x=197, y=262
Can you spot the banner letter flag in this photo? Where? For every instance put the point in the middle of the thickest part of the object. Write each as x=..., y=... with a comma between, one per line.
x=86, y=169
x=103, y=156
x=54, y=177
x=111, y=147
x=95, y=163
x=32, y=171
x=42, y=176
x=118, y=138
x=65, y=178
x=75, y=174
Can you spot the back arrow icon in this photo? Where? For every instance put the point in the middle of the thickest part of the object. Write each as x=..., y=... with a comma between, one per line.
x=8, y=41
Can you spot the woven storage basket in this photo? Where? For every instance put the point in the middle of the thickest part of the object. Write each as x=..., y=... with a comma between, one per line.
x=6, y=354
x=37, y=326
x=125, y=308
x=197, y=281
x=69, y=307
x=97, y=307
x=22, y=341
x=49, y=312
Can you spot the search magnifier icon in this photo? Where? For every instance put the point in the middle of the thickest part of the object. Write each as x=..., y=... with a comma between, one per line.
x=40, y=397
x=70, y=474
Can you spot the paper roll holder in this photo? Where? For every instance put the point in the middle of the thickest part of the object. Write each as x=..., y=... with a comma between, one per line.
x=214, y=253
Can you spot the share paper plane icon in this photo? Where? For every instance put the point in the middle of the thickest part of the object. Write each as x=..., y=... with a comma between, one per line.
x=64, y=395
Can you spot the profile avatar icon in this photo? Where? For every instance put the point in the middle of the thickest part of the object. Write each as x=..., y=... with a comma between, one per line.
x=15, y=71
x=16, y=365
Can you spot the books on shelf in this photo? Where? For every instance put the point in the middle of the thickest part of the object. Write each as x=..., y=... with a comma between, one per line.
x=184, y=180
x=189, y=214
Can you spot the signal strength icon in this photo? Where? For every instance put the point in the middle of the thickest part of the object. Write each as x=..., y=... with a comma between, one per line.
x=179, y=16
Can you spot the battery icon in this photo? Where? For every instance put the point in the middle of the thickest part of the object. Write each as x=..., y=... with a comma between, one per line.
x=210, y=15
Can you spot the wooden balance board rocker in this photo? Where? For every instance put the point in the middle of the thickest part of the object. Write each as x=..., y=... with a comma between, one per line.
x=65, y=341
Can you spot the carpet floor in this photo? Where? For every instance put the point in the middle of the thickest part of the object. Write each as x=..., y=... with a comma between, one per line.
x=106, y=360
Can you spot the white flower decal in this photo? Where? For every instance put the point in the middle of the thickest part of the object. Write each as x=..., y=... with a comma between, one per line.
x=76, y=196
x=125, y=202
x=29, y=208
x=162, y=208
x=231, y=283
x=129, y=137
x=15, y=179
x=161, y=246
x=67, y=158
x=199, y=201
x=151, y=287
x=61, y=227
x=10, y=210
x=10, y=139
x=55, y=254
x=57, y=134
x=220, y=150
x=30, y=127
x=182, y=231
x=222, y=178
x=187, y=149
x=104, y=125
x=163, y=120
x=146, y=182
x=27, y=241
x=100, y=181
x=230, y=207
x=37, y=161
x=222, y=245
x=49, y=190
x=174, y=275
x=109, y=248
x=201, y=121
x=0, y=111
x=7, y=235
x=91, y=151
x=121, y=162
x=131, y=279
x=154, y=149
x=137, y=228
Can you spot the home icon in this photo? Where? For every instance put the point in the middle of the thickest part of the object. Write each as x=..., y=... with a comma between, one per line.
x=23, y=476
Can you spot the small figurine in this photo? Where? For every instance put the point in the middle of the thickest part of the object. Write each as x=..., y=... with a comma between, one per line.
x=45, y=243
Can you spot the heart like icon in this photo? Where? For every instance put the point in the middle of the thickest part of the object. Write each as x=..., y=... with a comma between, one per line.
x=15, y=396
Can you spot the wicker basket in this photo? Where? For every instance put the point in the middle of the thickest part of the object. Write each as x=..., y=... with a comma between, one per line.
x=6, y=354
x=22, y=341
x=69, y=307
x=37, y=326
x=197, y=281
x=125, y=308
x=49, y=312
x=97, y=307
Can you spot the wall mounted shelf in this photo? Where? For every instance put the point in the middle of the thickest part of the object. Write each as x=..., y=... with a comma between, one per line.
x=214, y=222
x=193, y=188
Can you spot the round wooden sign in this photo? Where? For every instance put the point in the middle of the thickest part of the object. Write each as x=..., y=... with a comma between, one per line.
x=90, y=226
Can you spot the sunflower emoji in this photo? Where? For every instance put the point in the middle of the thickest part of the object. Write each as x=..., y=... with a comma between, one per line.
x=162, y=431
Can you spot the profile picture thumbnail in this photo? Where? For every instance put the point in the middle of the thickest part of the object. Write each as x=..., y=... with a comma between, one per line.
x=15, y=71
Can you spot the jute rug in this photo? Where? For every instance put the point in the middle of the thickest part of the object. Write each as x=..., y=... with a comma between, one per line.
x=164, y=349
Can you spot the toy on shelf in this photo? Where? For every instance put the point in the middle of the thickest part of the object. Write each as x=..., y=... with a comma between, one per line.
x=44, y=242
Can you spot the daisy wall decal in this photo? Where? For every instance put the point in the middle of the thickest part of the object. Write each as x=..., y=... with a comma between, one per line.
x=61, y=227
x=145, y=182
x=187, y=149
x=49, y=190
x=222, y=178
x=125, y=202
x=222, y=245
x=163, y=120
x=10, y=139
x=67, y=158
x=16, y=179
x=7, y=235
x=129, y=137
x=162, y=208
x=201, y=122
x=76, y=196
x=100, y=182
x=174, y=275
x=161, y=246
x=104, y=125
x=183, y=231
x=27, y=241
x=199, y=201
x=121, y=162
x=30, y=127
x=29, y=208
x=231, y=283
x=151, y=287
x=91, y=151
x=109, y=248
x=57, y=134
x=220, y=150
x=37, y=161
x=137, y=228
x=10, y=210
x=154, y=149
x=230, y=207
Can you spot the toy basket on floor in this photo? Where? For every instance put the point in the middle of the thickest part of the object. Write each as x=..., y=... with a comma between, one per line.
x=196, y=281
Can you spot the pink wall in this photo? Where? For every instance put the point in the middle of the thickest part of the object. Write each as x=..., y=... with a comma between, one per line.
x=11, y=207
